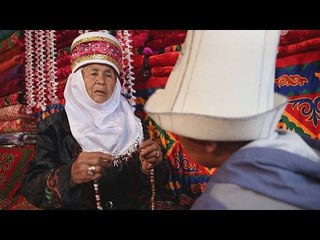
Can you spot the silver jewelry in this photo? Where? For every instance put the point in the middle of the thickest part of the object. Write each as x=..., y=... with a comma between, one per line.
x=91, y=170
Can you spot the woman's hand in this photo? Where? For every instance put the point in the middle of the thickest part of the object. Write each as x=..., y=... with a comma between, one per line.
x=90, y=166
x=150, y=155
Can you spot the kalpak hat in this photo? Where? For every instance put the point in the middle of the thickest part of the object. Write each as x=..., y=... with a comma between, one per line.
x=222, y=87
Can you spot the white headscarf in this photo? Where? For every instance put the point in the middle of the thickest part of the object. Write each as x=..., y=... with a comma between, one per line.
x=110, y=127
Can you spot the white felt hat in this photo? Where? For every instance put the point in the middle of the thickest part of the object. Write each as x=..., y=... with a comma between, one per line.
x=222, y=87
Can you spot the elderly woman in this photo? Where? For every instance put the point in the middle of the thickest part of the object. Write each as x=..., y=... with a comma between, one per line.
x=96, y=154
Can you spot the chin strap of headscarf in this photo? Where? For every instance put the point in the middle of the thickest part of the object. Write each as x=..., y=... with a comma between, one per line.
x=110, y=127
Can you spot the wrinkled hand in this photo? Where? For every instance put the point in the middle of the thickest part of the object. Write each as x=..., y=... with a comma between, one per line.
x=150, y=155
x=98, y=162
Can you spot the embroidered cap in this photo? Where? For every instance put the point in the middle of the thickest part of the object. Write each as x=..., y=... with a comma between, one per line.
x=96, y=47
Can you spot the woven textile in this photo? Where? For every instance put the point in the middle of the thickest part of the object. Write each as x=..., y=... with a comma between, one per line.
x=13, y=163
x=298, y=77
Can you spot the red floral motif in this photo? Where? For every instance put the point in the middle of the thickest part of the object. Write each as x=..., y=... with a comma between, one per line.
x=290, y=80
x=52, y=192
x=13, y=164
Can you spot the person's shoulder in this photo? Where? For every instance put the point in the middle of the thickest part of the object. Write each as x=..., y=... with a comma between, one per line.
x=57, y=118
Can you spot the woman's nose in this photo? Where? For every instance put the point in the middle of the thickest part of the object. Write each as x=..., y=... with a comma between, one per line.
x=101, y=79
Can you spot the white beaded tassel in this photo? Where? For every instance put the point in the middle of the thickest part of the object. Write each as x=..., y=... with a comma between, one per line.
x=40, y=69
x=128, y=75
x=51, y=62
x=29, y=71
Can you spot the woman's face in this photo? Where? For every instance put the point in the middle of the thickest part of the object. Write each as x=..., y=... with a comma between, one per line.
x=100, y=81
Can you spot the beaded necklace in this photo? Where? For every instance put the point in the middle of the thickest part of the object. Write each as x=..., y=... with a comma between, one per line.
x=97, y=194
x=121, y=159
x=153, y=189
